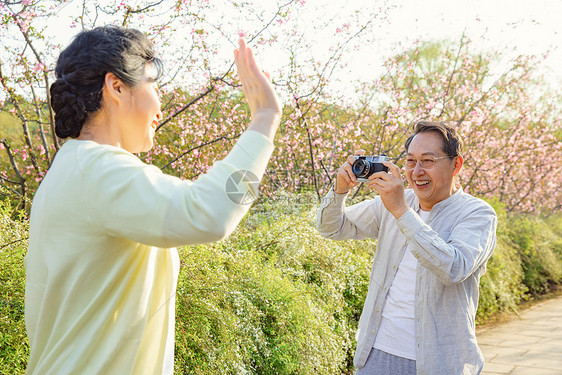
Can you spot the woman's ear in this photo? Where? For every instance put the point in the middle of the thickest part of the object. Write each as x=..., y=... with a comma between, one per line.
x=113, y=88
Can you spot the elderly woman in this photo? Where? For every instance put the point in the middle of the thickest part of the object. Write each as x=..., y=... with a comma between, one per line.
x=101, y=266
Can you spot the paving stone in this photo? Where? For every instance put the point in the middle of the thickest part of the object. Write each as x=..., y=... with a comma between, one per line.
x=497, y=368
x=489, y=339
x=506, y=339
x=549, y=345
x=524, y=328
x=503, y=350
x=532, y=359
x=521, y=370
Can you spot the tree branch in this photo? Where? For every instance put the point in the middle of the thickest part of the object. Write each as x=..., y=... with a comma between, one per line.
x=182, y=109
x=198, y=147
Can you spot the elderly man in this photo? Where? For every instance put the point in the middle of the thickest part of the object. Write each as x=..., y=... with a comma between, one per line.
x=433, y=242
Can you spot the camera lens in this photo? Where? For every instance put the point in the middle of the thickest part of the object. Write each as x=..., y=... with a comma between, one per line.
x=361, y=168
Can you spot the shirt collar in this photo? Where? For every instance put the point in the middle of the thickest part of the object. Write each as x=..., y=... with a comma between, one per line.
x=440, y=205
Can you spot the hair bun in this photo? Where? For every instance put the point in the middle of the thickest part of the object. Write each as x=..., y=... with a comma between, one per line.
x=70, y=109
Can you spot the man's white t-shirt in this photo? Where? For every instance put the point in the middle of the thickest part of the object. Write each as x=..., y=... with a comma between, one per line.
x=397, y=331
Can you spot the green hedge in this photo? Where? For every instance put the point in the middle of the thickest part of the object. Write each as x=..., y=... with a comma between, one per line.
x=526, y=262
x=276, y=298
x=14, y=348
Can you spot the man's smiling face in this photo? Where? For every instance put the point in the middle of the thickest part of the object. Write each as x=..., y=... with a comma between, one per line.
x=436, y=183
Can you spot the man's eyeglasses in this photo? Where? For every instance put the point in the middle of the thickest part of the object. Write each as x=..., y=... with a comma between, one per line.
x=426, y=162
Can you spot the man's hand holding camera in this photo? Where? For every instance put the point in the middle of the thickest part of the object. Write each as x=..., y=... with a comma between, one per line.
x=345, y=178
x=389, y=185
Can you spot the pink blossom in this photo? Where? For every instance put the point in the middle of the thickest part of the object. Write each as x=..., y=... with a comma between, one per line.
x=39, y=67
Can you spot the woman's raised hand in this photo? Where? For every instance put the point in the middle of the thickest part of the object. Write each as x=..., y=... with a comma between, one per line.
x=264, y=104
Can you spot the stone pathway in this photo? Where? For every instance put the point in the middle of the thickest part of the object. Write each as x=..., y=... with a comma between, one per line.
x=530, y=344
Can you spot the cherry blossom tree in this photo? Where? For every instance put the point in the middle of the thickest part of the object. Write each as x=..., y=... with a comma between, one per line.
x=204, y=113
x=510, y=121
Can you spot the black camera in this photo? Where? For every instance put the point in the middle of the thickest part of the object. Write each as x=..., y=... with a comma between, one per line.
x=364, y=166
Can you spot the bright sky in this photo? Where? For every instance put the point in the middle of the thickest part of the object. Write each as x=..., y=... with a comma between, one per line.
x=511, y=26
x=516, y=26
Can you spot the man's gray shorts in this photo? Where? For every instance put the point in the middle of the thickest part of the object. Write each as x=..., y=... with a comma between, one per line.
x=382, y=363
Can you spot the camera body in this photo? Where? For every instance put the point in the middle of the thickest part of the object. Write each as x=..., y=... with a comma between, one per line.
x=364, y=166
